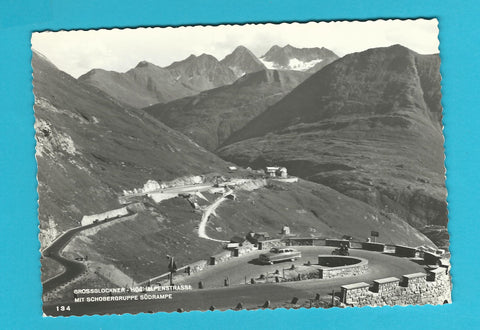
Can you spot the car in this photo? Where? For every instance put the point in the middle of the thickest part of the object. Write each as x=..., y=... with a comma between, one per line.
x=278, y=254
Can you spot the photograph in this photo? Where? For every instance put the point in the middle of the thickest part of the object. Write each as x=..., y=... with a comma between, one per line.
x=241, y=167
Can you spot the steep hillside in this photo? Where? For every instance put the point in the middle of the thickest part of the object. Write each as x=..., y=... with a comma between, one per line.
x=89, y=149
x=309, y=209
x=148, y=84
x=367, y=125
x=299, y=59
x=242, y=61
x=210, y=117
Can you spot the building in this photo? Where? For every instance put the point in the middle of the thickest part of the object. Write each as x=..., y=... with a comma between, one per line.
x=282, y=172
x=254, y=238
x=276, y=171
x=272, y=171
x=237, y=239
x=286, y=230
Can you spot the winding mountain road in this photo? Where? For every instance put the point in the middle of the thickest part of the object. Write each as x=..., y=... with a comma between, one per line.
x=206, y=215
x=381, y=265
x=71, y=269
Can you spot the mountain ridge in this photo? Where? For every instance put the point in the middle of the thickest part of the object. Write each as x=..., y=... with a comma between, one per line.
x=147, y=84
x=88, y=150
x=301, y=59
x=367, y=125
x=210, y=117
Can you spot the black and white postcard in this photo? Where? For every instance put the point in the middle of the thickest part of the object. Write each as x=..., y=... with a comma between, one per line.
x=241, y=167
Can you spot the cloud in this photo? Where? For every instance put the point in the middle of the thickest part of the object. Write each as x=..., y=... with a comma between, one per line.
x=77, y=52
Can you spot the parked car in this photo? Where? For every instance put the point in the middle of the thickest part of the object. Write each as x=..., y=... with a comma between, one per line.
x=278, y=254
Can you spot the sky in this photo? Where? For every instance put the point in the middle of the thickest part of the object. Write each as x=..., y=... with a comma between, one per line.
x=77, y=52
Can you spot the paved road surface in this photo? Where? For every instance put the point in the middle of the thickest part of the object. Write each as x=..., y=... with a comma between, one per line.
x=252, y=296
x=237, y=269
x=206, y=215
x=72, y=268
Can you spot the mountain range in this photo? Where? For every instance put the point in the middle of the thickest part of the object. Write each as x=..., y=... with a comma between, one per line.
x=211, y=117
x=148, y=84
x=364, y=134
x=89, y=149
x=368, y=125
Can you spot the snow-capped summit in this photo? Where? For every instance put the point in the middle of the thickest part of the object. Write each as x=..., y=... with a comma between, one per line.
x=298, y=59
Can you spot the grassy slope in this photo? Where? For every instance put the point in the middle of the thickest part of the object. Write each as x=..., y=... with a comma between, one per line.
x=138, y=247
x=209, y=118
x=90, y=149
x=309, y=209
x=367, y=125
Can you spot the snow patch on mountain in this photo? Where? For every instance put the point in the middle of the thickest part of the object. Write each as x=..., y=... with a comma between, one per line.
x=269, y=65
x=298, y=65
x=293, y=64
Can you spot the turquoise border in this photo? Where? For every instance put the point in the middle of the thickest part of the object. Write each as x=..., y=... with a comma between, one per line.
x=19, y=269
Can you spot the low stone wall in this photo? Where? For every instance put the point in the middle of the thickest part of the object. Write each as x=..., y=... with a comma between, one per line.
x=221, y=257
x=355, y=292
x=371, y=246
x=413, y=289
x=336, y=242
x=405, y=251
x=266, y=245
x=202, y=264
x=355, y=269
x=198, y=266
x=385, y=285
x=300, y=273
x=304, y=241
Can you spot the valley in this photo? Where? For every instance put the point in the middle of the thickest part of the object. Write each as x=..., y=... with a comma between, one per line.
x=211, y=142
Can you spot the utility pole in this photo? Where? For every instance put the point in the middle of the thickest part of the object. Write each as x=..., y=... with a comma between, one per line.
x=172, y=267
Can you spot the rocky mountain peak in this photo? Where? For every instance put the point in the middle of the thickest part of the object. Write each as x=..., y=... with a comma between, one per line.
x=242, y=61
x=298, y=59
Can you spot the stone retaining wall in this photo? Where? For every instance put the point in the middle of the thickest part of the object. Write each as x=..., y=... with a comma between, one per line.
x=267, y=245
x=414, y=289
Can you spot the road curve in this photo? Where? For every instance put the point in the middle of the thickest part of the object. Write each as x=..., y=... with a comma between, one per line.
x=72, y=269
x=252, y=296
x=206, y=215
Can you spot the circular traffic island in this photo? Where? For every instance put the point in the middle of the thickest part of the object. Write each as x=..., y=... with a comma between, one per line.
x=333, y=266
